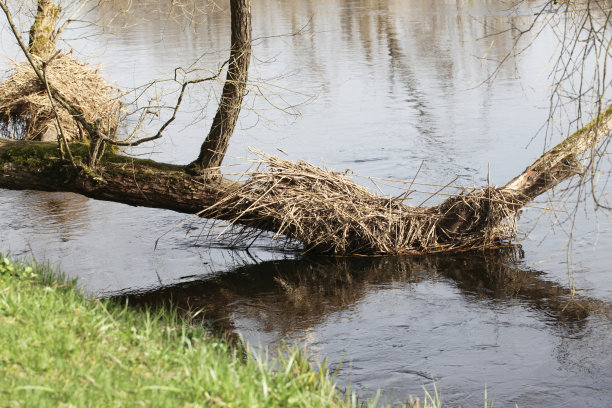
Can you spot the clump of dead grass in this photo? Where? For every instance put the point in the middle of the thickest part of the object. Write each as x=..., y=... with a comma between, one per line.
x=327, y=212
x=26, y=112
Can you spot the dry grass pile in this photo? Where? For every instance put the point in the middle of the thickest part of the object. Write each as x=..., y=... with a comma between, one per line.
x=326, y=212
x=26, y=112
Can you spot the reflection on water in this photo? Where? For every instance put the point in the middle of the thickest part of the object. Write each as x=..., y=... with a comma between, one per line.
x=63, y=214
x=313, y=287
x=409, y=71
x=412, y=321
x=391, y=87
x=110, y=247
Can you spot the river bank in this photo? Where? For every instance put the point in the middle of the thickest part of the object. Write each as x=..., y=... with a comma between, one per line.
x=59, y=348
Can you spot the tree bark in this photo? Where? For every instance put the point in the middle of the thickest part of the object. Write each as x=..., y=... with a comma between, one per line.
x=37, y=166
x=41, y=38
x=560, y=162
x=462, y=217
x=214, y=147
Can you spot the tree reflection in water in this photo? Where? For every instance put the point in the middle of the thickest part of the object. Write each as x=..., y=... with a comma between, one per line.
x=294, y=295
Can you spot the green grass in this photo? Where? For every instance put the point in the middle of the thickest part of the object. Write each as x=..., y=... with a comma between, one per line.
x=58, y=348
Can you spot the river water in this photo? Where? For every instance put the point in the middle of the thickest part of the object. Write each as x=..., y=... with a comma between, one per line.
x=387, y=89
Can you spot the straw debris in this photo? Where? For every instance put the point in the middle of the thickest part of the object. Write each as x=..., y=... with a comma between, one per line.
x=326, y=212
x=26, y=112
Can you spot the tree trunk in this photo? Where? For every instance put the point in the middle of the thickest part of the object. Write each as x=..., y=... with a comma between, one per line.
x=553, y=167
x=41, y=40
x=214, y=147
x=561, y=162
x=36, y=165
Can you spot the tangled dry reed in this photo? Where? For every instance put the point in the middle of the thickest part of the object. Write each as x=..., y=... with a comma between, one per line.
x=326, y=212
x=26, y=112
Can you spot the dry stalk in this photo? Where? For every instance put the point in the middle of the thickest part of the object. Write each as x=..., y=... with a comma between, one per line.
x=326, y=212
x=27, y=113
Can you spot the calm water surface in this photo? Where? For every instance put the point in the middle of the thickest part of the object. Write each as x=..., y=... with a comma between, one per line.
x=383, y=88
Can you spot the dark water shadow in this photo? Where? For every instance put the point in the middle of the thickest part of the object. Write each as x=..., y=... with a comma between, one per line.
x=288, y=296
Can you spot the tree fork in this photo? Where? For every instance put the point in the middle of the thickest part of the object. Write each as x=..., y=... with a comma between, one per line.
x=214, y=147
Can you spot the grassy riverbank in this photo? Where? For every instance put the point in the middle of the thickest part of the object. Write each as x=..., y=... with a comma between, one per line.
x=58, y=348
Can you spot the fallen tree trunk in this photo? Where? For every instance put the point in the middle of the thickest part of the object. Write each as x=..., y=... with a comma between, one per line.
x=37, y=166
x=324, y=211
x=552, y=168
x=562, y=161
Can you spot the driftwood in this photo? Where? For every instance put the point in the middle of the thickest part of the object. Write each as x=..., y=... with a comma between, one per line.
x=323, y=211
